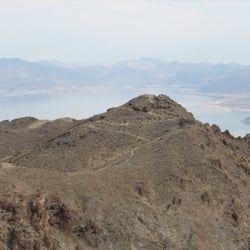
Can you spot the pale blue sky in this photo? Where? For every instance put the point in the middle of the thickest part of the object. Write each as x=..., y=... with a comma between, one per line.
x=113, y=30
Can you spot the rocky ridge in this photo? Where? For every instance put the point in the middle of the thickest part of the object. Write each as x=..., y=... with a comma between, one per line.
x=145, y=175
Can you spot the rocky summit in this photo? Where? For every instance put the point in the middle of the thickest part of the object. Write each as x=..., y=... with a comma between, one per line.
x=144, y=175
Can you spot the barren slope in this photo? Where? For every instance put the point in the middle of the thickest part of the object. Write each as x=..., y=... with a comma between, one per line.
x=145, y=175
x=20, y=134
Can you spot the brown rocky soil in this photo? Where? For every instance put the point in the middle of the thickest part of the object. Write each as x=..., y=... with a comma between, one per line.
x=145, y=175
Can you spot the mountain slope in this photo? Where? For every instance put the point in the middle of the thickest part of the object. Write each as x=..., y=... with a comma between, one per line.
x=145, y=175
x=107, y=137
x=26, y=132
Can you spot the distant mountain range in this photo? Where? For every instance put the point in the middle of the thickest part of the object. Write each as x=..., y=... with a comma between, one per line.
x=20, y=77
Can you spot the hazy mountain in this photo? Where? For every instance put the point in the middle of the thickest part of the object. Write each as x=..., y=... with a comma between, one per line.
x=19, y=77
x=144, y=175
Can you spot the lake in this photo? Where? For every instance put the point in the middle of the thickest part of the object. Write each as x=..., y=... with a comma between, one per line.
x=87, y=103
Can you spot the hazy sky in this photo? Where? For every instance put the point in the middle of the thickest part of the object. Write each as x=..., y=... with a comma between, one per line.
x=107, y=31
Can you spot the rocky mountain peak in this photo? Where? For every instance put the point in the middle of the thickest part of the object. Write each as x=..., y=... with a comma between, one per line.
x=147, y=103
x=161, y=104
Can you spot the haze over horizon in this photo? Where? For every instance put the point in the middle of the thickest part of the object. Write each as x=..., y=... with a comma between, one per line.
x=97, y=32
x=83, y=63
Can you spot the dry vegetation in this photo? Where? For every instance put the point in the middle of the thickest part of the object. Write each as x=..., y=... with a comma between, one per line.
x=145, y=175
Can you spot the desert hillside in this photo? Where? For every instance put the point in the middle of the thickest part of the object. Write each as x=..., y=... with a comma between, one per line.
x=144, y=175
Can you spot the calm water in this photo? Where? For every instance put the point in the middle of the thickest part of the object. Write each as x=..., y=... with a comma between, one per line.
x=85, y=104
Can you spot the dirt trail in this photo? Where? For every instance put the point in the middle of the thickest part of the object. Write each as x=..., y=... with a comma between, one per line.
x=6, y=166
x=119, y=132
x=132, y=151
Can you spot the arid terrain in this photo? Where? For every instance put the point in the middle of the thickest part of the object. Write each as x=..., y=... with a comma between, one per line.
x=144, y=175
